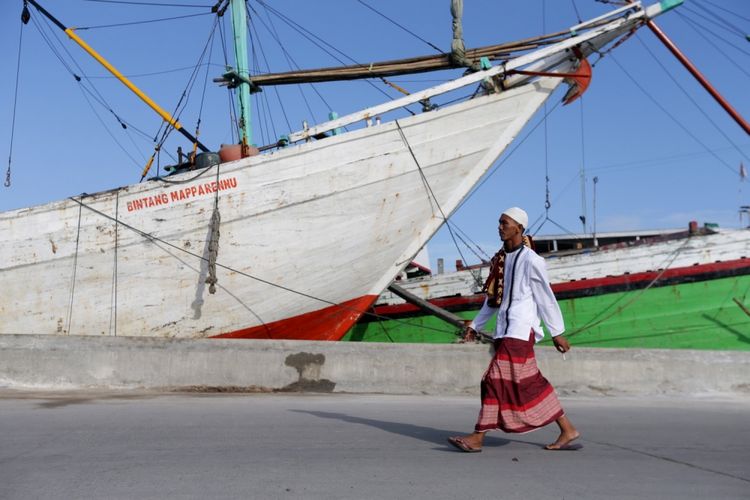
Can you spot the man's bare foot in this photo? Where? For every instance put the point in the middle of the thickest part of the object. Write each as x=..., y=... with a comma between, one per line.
x=564, y=441
x=470, y=443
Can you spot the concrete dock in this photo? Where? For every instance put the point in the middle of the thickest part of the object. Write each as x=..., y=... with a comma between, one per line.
x=163, y=418
x=343, y=446
x=68, y=363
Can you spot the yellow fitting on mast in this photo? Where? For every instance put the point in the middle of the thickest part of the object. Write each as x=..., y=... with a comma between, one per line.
x=148, y=166
x=165, y=116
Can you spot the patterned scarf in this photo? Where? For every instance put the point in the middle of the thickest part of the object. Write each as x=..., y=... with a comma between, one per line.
x=493, y=287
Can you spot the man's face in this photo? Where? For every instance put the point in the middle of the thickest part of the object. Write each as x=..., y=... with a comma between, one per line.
x=508, y=228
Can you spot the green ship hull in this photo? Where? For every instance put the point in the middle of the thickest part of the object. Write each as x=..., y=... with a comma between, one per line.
x=693, y=315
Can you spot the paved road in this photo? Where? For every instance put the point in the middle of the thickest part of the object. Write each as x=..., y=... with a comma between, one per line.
x=270, y=446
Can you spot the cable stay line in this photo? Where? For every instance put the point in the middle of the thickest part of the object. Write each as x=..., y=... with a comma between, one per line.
x=262, y=104
x=479, y=248
x=152, y=73
x=15, y=100
x=603, y=315
x=575, y=8
x=692, y=100
x=657, y=161
x=153, y=4
x=430, y=44
x=697, y=26
x=83, y=80
x=109, y=132
x=260, y=98
x=673, y=118
x=292, y=63
x=517, y=143
x=234, y=125
x=723, y=21
x=432, y=198
x=731, y=61
x=726, y=10
x=289, y=60
x=182, y=102
x=715, y=23
x=148, y=21
x=180, y=248
x=92, y=91
x=547, y=203
x=265, y=60
x=309, y=36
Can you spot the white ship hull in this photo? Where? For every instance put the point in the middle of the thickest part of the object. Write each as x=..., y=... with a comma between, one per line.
x=325, y=226
x=310, y=235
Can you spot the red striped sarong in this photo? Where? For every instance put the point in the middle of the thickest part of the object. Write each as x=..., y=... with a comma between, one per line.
x=515, y=395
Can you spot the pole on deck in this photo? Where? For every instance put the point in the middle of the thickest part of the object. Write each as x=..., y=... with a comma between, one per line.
x=428, y=307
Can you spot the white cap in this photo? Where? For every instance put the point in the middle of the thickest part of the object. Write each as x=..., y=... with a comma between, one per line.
x=518, y=215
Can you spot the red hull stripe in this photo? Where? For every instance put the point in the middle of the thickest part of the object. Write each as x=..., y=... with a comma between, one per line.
x=329, y=323
x=579, y=285
x=650, y=275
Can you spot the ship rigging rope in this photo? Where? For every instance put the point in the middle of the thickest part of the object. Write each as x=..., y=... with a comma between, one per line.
x=15, y=103
x=75, y=270
x=132, y=23
x=516, y=144
x=239, y=272
x=233, y=123
x=722, y=23
x=95, y=94
x=213, y=242
x=575, y=8
x=727, y=10
x=547, y=203
x=113, y=306
x=153, y=4
x=275, y=89
x=312, y=38
x=92, y=92
x=440, y=51
x=698, y=27
x=431, y=196
x=180, y=107
x=598, y=319
x=289, y=60
x=691, y=99
x=700, y=33
x=672, y=117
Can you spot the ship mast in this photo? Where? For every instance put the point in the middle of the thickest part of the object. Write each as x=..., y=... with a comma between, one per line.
x=239, y=27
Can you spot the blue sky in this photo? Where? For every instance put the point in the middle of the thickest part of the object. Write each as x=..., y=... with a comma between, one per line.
x=655, y=169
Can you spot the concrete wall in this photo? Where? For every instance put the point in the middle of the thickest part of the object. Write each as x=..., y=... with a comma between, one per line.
x=47, y=362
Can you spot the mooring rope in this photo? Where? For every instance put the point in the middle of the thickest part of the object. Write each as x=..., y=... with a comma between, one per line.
x=213, y=242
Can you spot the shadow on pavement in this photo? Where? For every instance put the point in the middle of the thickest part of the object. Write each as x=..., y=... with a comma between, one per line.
x=428, y=434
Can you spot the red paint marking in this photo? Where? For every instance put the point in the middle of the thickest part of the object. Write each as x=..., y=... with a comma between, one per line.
x=329, y=323
x=198, y=190
x=650, y=275
x=478, y=299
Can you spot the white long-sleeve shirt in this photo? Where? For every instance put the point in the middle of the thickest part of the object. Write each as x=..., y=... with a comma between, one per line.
x=527, y=297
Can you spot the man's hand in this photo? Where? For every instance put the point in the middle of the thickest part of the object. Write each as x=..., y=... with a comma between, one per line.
x=561, y=343
x=470, y=335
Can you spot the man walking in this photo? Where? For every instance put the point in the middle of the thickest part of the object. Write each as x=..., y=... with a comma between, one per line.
x=515, y=395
